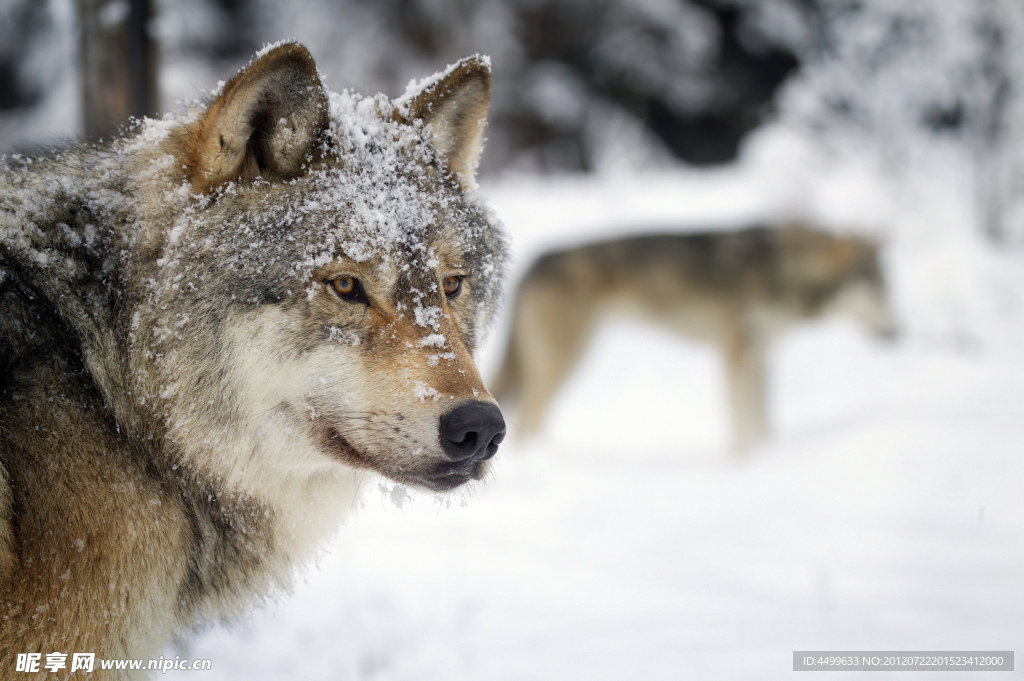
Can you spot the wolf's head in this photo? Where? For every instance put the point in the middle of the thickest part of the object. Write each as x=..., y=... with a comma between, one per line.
x=316, y=297
x=841, y=275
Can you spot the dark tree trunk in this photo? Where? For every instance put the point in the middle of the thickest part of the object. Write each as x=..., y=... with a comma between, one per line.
x=119, y=64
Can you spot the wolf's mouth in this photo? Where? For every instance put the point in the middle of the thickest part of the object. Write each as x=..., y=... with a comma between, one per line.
x=441, y=477
x=344, y=451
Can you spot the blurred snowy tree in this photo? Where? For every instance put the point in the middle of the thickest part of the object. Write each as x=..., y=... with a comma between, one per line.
x=19, y=22
x=915, y=81
x=40, y=97
x=579, y=83
x=591, y=84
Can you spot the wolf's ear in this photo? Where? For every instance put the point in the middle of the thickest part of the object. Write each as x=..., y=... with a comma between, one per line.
x=455, y=106
x=265, y=122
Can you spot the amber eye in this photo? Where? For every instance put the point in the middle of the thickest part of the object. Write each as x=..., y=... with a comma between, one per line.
x=348, y=288
x=344, y=286
x=452, y=286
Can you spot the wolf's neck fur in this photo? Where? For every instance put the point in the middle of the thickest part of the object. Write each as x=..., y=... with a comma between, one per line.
x=249, y=546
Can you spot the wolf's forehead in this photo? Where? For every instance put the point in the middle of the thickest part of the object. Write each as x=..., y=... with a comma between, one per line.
x=392, y=229
x=365, y=137
x=375, y=195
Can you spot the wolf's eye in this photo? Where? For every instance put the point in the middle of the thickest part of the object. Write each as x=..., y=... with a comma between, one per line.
x=452, y=286
x=348, y=288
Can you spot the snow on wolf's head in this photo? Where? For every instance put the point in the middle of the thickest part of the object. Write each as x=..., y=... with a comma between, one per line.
x=320, y=291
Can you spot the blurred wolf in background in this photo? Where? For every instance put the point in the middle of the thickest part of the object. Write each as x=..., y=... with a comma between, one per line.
x=738, y=290
x=212, y=329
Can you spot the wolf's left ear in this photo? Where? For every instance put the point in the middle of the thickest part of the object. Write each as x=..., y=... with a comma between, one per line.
x=266, y=122
x=455, y=107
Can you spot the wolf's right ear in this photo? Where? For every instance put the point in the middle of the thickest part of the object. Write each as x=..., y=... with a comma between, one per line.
x=266, y=122
x=454, y=104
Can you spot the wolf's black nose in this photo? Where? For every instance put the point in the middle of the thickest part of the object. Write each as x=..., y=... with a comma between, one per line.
x=472, y=431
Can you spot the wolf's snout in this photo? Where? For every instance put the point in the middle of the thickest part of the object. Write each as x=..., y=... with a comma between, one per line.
x=472, y=431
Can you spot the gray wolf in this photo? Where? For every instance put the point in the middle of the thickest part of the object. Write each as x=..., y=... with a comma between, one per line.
x=738, y=290
x=215, y=327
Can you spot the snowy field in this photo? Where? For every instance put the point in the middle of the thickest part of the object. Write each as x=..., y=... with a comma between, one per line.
x=628, y=543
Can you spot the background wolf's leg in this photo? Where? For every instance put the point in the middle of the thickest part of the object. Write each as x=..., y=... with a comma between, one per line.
x=552, y=329
x=745, y=365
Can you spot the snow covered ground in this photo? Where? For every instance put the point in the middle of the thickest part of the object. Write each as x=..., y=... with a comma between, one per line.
x=627, y=543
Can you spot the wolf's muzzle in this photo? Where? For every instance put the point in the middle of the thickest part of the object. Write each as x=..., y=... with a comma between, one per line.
x=472, y=431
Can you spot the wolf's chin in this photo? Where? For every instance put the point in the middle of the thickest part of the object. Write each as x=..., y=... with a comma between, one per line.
x=446, y=482
x=443, y=479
